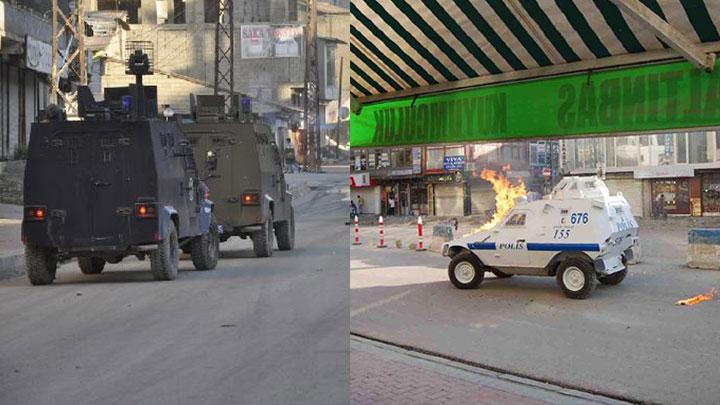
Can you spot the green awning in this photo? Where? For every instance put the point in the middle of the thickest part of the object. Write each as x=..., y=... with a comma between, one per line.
x=399, y=45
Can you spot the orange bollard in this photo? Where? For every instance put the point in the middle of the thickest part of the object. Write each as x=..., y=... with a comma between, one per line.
x=382, y=233
x=357, y=232
x=420, y=245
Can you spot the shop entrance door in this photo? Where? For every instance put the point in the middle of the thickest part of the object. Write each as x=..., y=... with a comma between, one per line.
x=676, y=193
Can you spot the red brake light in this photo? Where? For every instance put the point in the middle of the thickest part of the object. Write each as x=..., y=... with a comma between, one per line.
x=251, y=199
x=145, y=210
x=35, y=213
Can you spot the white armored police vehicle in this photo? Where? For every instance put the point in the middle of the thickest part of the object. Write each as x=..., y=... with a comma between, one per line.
x=579, y=234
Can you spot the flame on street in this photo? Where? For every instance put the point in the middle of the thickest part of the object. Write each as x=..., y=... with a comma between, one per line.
x=505, y=194
x=697, y=299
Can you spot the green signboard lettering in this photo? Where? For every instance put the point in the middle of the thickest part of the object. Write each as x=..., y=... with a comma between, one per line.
x=639, y=99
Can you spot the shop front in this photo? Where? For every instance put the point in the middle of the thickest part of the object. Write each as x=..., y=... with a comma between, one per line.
x=448, y=195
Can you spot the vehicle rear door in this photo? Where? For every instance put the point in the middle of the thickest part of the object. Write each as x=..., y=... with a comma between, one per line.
x=108, y=189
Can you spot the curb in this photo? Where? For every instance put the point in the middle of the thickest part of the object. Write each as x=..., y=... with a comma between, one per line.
x=12, y=264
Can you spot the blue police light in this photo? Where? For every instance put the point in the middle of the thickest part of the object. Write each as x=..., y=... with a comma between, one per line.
x=126, y=103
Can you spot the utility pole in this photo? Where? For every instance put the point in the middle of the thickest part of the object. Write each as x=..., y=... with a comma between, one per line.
x=74, y=27
x=339, y=110
x=311, y=142
x=225, y=54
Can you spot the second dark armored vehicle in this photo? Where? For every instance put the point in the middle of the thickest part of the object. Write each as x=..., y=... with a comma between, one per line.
x=112, y=185
x=243, y=169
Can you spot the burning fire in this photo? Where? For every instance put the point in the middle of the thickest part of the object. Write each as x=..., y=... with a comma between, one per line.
x=697, y=299
x=505, y=194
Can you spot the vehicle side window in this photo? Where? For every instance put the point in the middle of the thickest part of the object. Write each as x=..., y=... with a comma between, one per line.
x=516, y=220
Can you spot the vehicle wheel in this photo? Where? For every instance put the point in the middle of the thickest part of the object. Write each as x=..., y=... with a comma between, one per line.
x=91, y=265
x=263, y=240
x=576, y=278
x=164, y=259
x=205, y=248
x=466, y=271
x=40, y=265
x=285, y=232
x=500, y=274
x=615, y=278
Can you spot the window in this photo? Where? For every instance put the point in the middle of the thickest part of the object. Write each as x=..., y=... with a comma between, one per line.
x=516, y=220
x=681, y=142
x=626, y=151
x=178, y=12
x=132, y=7
x=401, y=158
x=435, y=157
x=699, y=147
x=212, y=11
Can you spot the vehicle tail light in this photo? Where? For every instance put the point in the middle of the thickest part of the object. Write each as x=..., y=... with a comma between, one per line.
x=251, y=199
x=35, y=213
x=145, y=210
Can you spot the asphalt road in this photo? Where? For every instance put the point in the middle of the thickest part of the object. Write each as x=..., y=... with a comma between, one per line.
x=251, y=331
x=629, y=341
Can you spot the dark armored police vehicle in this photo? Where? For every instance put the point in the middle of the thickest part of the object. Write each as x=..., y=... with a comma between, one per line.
x=243, y=167
x=114, y=184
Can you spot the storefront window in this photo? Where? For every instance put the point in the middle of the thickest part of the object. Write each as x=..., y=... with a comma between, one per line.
x=674, y=193
x=711, y=193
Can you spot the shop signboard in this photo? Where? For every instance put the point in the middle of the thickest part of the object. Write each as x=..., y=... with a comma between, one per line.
x=359, y=180
x=270, y=41
x=660, y=97
x=453, y=163
x=401, y=172
x=658, y=172
x=38, y=55
x=417, y=160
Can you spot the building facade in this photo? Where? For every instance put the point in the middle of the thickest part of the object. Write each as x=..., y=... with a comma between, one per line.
x=25, y=62
x=681, y=170
x=676, y=174
x=269, y=54
x=445, y=180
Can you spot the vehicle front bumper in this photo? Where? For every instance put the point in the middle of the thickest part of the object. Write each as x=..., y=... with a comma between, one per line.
x=612, y=263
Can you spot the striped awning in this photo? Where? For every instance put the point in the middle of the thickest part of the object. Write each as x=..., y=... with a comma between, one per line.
x=399, y=46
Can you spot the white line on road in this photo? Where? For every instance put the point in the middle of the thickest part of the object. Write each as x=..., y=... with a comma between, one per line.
x=381, y=302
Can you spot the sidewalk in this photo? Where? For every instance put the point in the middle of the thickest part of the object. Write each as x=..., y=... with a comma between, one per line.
x=385, y=374
x=11, y=247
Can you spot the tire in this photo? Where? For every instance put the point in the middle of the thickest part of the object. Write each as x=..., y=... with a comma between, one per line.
x=615, y=278
x=164, y=259
x=285, y=232
x=40, y=265
x=91, y=265
x=264, y=239
x=500, y=274
x=466, y=271
x=577, y=278
x=205, y=249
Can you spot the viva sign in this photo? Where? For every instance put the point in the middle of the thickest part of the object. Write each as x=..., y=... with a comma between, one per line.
x=639, y=99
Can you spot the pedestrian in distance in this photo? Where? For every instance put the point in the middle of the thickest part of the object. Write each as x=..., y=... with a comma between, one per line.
x=360, y=204
x=391, y=205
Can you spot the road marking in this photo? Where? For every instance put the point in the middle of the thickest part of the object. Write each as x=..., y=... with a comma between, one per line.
x=380, y=303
